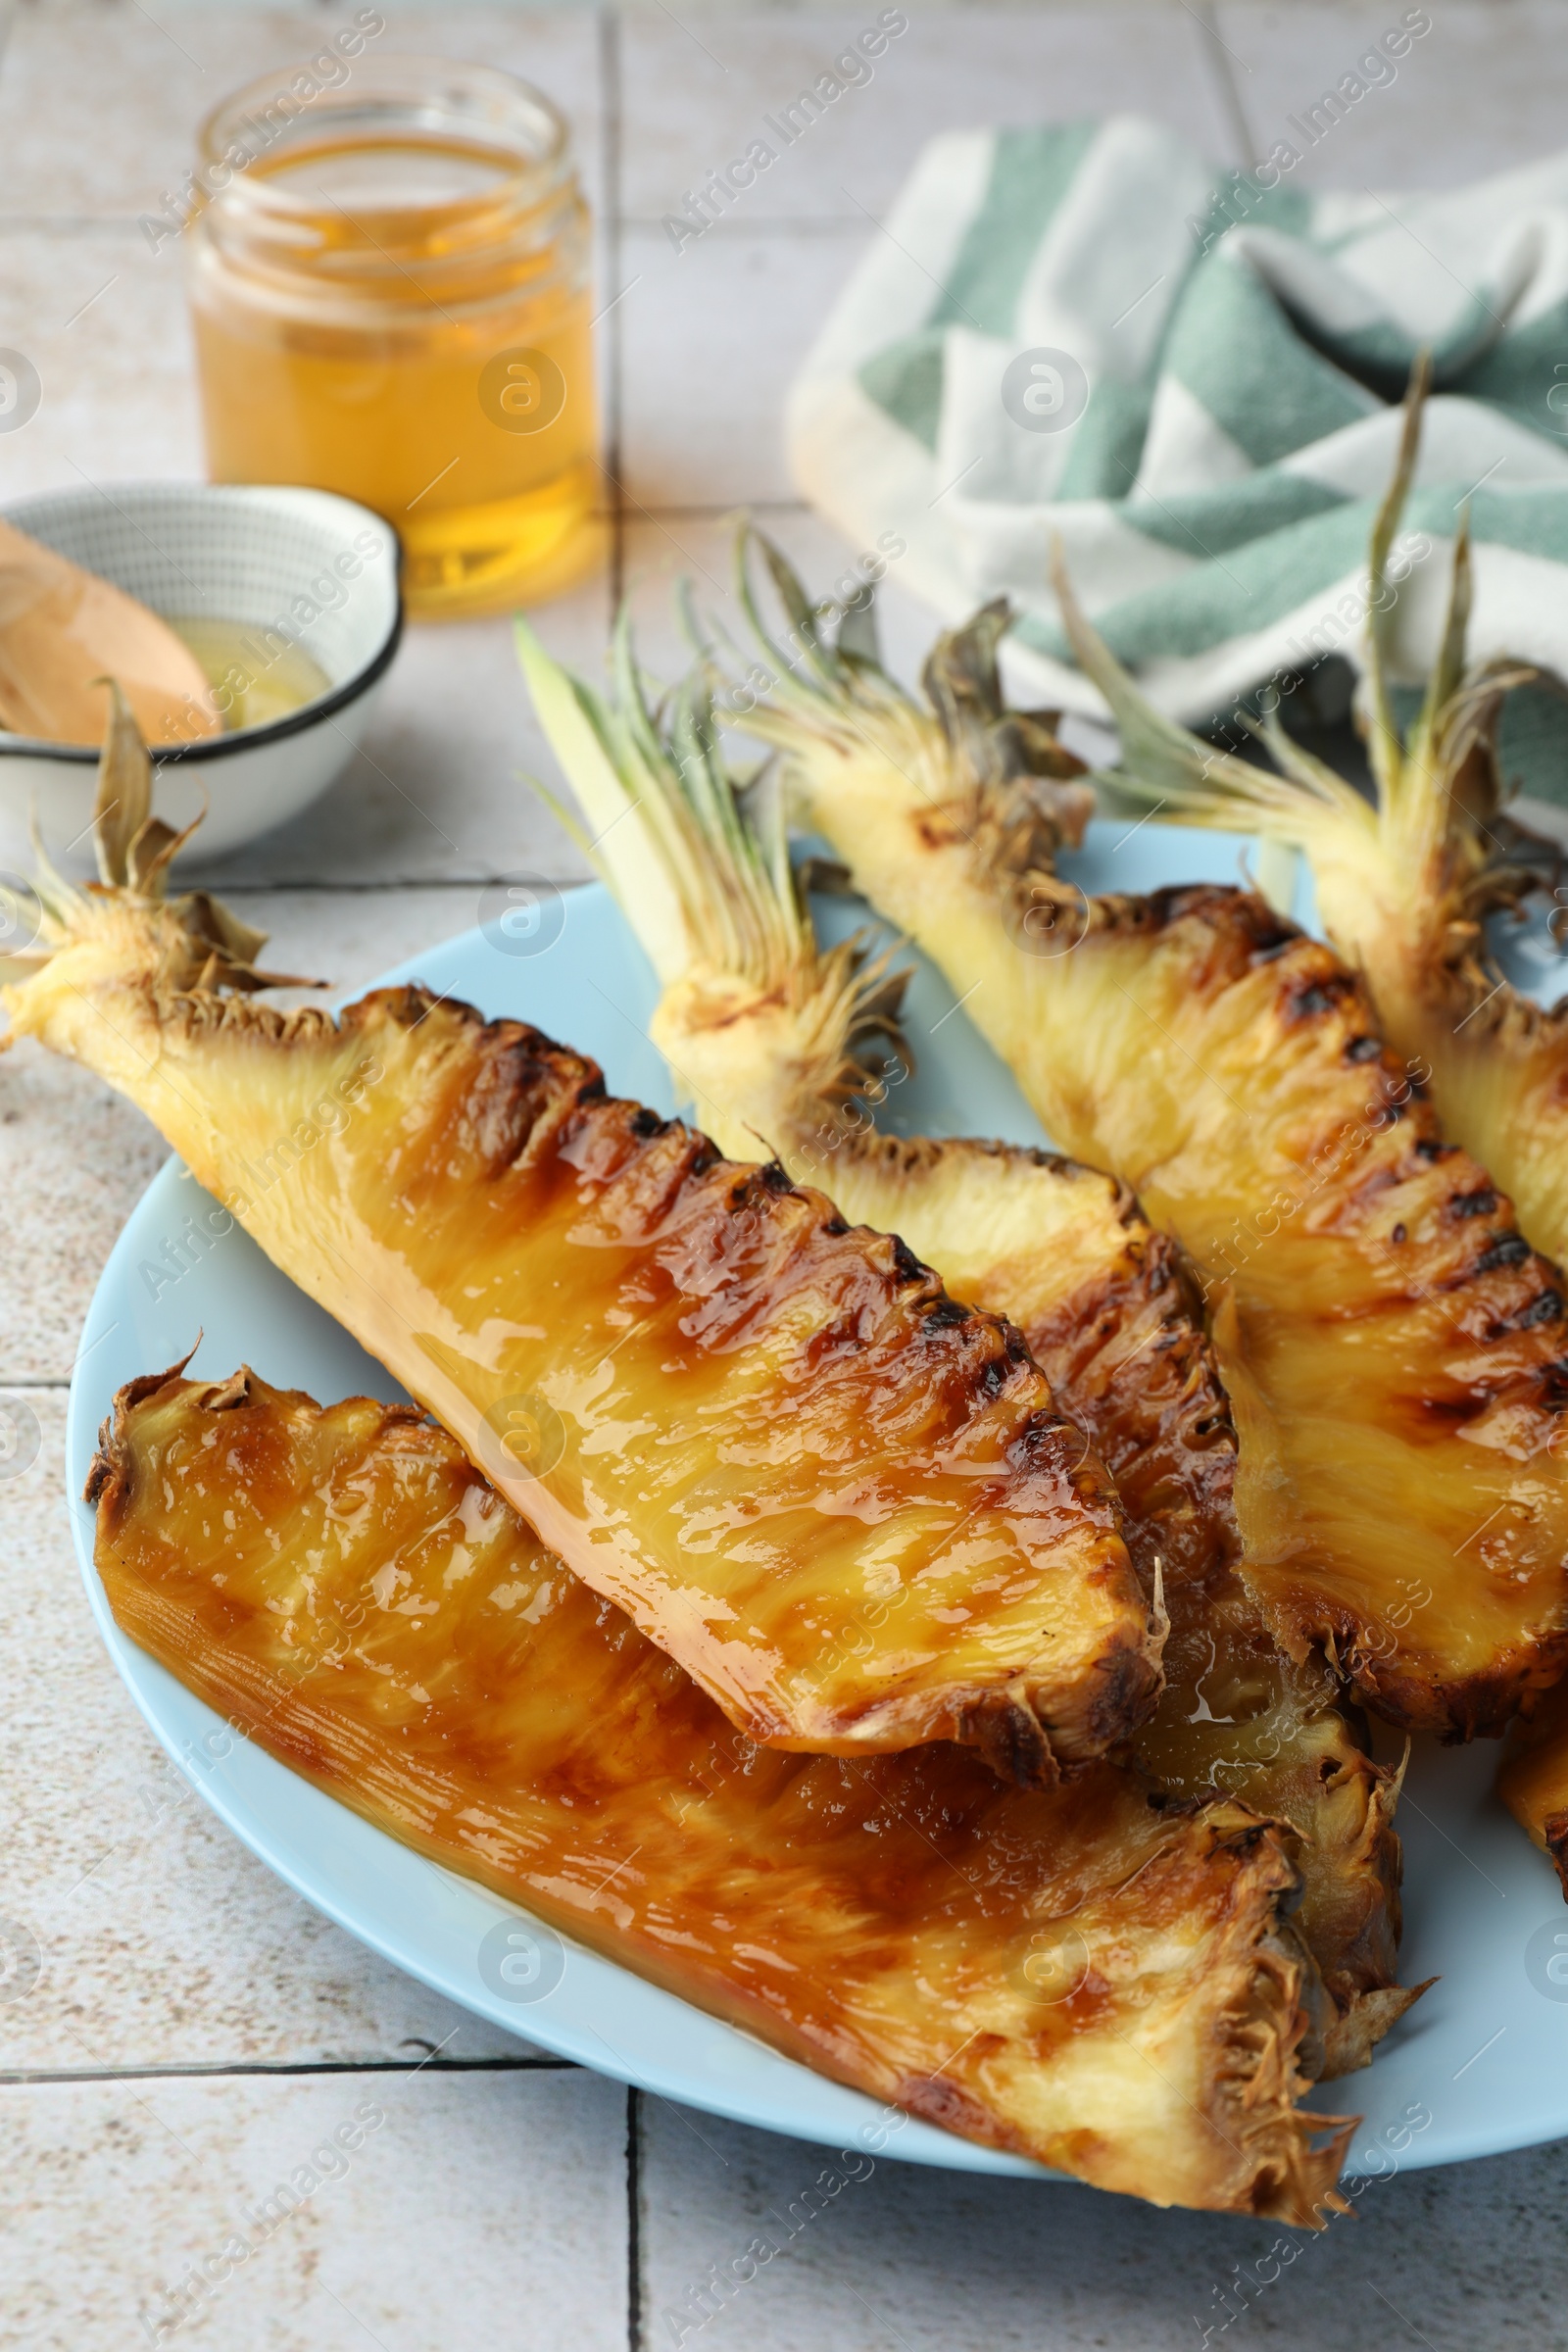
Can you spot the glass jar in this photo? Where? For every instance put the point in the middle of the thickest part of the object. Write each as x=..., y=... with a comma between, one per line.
x=389, y=282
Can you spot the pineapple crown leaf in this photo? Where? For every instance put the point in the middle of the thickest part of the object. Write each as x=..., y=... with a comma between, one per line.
x=1165, y=765
x=1448, y=669
x=962, y=682
x=1384, y=745
x=858, y=639
x=665, y=833
x=815, y=672
x=700, y=865
x=122, y=806
x=1441, y=772
x=961, y=744
x=135, y=851
x=1437, y=787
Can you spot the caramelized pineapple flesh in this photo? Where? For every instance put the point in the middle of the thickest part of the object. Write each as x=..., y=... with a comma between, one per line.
x=1499, y=1077
x=768, y=1033
x=1393, y=1351
x=1079, y=1975
x=752, y=1428
x=1114, y=1321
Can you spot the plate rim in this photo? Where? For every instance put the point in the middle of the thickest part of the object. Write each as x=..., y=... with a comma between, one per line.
x=921, y=2142
x=560, y=2040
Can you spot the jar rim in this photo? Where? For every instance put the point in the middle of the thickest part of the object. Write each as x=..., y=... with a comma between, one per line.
x=524, y=127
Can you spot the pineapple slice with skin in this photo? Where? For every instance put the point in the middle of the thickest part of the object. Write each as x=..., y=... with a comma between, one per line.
x=1073, y=1975
x=730, y=1413
x=1404, y=885
x=770, y=1037
x=1405, y=881
x=1392, y=1348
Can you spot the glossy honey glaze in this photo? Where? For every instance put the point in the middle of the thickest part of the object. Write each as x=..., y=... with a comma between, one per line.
x=1393, y=1349
x=1126, y=1352
x=1113, y=1320
x=1081, y=1974
x=848, y=1505
x=1395, y=1354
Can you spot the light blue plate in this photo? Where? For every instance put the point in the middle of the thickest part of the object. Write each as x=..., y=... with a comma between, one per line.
x=1484, y=2057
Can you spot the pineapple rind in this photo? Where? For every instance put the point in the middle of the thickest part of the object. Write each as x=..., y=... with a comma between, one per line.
x=848, y=1506
x=775, y=1039
x=1067, y=1973
x=1113, y=1319
x=1396, y=1358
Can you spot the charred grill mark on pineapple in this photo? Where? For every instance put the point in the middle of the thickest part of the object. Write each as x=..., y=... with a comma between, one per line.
x=1123, y=1349
x=1129, y=1351
x=1342, y=1149
x=1313, y=996
x=1484, y=1290
x=1008, y=1734
x=490, y=1158
x=1128, y=1354
x=905, y=1264
x=901, y=1893
x=1508, y=1250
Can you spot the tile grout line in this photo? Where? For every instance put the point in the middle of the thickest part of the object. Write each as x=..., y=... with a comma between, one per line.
x=634, y=2220
x=610, y=108
x=1218, y=59
x=781, y=224
x=280, y=2070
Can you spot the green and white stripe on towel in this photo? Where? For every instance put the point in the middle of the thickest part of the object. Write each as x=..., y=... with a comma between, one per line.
x=1080, y=332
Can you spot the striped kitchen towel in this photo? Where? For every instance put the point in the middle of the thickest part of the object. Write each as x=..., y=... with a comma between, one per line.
x=1079, y=333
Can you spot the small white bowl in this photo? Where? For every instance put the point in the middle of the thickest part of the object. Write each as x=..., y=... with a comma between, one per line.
x=302, y=563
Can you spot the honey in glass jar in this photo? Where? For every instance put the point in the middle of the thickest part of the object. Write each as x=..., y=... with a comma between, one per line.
x=390, y=288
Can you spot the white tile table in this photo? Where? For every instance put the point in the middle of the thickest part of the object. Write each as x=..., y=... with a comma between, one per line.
x=196, y=2031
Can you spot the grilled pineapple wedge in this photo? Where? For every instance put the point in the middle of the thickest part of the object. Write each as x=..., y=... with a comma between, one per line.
x=734, y=1416
x=1393, y=1349
x=1076, y=1973
x=770, y=1036
x=1405, y=881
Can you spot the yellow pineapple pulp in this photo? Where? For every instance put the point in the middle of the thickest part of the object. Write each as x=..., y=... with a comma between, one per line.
x=1068, y=1974
x=1391, y=1345
x=1403, y=881
x=744, y=1422
x=772, y=1036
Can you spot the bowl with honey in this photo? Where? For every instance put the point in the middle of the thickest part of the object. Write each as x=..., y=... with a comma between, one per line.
x=288, y=604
